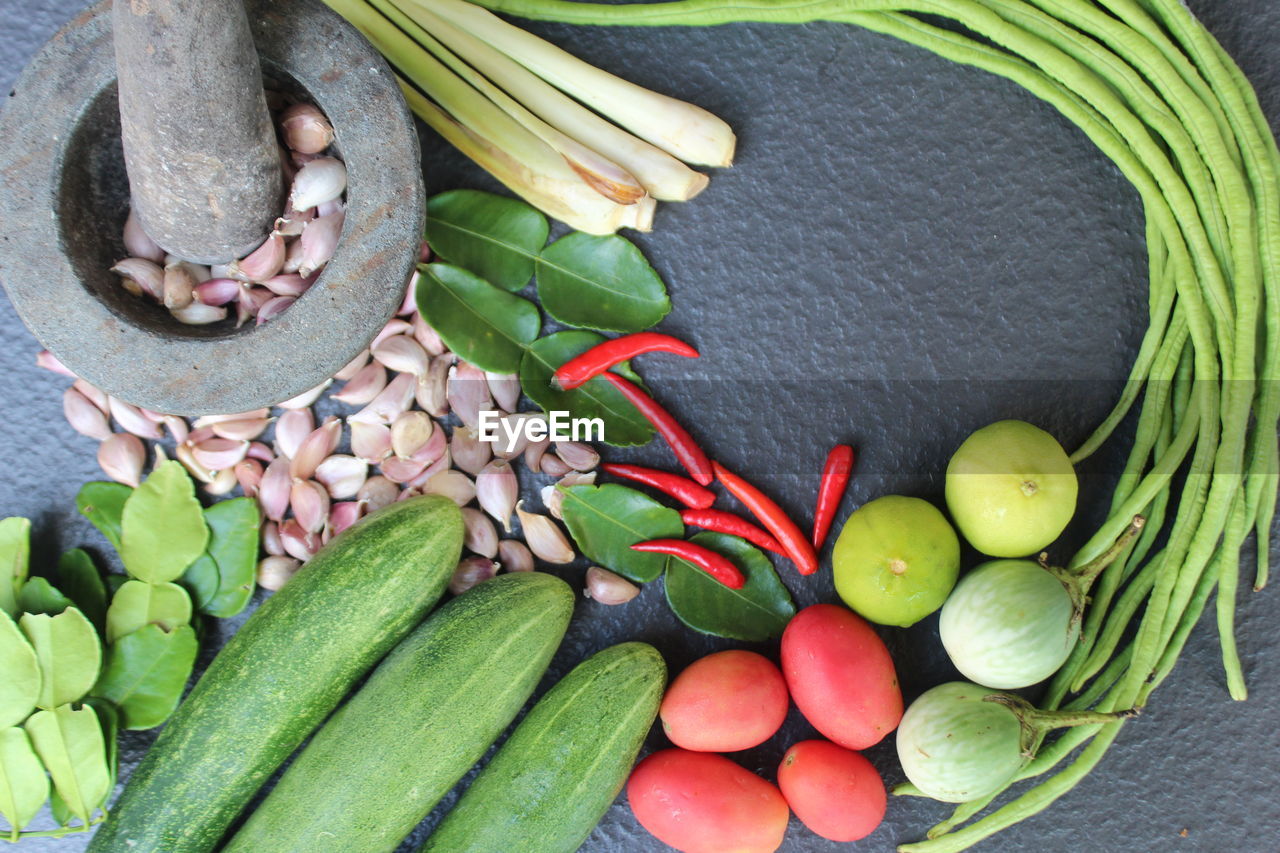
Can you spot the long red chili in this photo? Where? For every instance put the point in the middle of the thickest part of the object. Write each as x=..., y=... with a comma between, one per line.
x=835, y=479
x=682, y=489
x=793, y=541
x=691, y=456
x=716, y=565
x=611, y=353
x=726, y=522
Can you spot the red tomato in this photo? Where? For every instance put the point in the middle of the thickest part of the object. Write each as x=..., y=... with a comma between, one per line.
x=699, y=802
x=834, y=791
x=841, y=676
x=725, y=702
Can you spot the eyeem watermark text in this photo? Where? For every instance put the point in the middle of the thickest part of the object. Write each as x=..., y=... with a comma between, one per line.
x=508, y=430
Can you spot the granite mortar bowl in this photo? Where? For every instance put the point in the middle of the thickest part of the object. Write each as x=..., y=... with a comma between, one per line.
x=64, y=198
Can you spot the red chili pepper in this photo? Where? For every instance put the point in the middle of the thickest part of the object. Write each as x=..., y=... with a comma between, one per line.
x=798, y=548
x=611, y=353
x=716, y=565
x=682, y=489
x=726, y=522
x=835, y=479
x=691, y=456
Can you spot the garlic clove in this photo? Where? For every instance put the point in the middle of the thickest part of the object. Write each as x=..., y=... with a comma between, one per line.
x=218, y=454
x=471, y=572
x=401, y=470
x=273, y=308
x=515, y=556
x=607, y=587
x=132, y=420
x=148, y=274
x=84, y=417
x=49, y=361
x=342, y=515
x=318, y=242
x=138, y=243
x=554, y=465
x=505, y=389
x=248, y=473
x=320, y=180
x=178, y=428
x=370, y=442
x=378, y=492
x=497, y=489
x=199, y=314
x=342, y=475
x=179, y=287
x=533, y=454
x=274, y=572
x=578, y=456
x=544, y=537
x=271, y=539
x=292, y=428
x=184, y=454
x=352, y=367
x=273, y=490
x=122, y=456
x=410, y=433
x=94, y=395
x=250, y=303
x=431, y=392
x=480, y=536
x=427, y=337
x=402, y=354
x=287, y=284
x=305, y=129
x=218, y=291
x=454, y=485
x=262, y=263
x=390, y=402
x=313, y=450
x=306, y=398
x=409, y=304
x=395, y=326
x=309, y=501
x=299, y=543
x=469, y=453
x=259, y=451
x=223, y=482
x=361, y=388
x=245, y=430
x=468, y=393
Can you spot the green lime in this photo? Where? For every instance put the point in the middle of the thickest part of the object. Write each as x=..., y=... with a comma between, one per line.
x=896, y=560
x=1011, y=489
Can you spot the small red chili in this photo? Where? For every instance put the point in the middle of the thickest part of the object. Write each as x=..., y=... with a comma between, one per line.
x=691, y=456
x=716, y=565
x=835, y=479
x=611, y=353
x=682, y=489
x=788, y=534
x=726, y=522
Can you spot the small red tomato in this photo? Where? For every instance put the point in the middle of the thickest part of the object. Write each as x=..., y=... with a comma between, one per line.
x=725, y=702
x=834, y=791
x=699, y=802
x=841, y=676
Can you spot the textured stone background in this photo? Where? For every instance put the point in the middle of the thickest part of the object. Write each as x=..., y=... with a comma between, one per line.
x=905, y=251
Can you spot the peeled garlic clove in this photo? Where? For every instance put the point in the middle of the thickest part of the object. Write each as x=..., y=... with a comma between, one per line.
x=274, y=572
x=343, y=515
x=287, y=284
x=370, y=442
x=469, y=453
x=305, y=129
x=271, y=539
x=244, y=430
x=84, y=417
x=222, y=484
x=318, y=242
x=505, y=389
x=398, y=469
x=310, y=504
x=148, y=274
x=468, y=393
x=342, y=475
x=273, y=491
x=352, y=367
x=292, y=428
x=454, y=485
x=395, y=326
x=218, y=291
x=132, y=420
x=199, y=314
x=320, y=444
x=554, y=465
x=515, y=556
x=306, y=398
x=497, y=490
x=410, y=433
x=431, y=392
x=248, y=473
x=378, y=492
x=403, y=354
x=361, y=388
x=138, y=243
x=471, y=571
x=323, y=179
x=298, y=542
x=480, y=536
x=262, y=263
x=426, y=336
x=544, y=537
x=122, y=456
x=390, y=402
x=608, y=588
x=218, y=454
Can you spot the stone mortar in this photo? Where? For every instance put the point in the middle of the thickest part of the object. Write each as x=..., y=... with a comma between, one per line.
x=64, y=198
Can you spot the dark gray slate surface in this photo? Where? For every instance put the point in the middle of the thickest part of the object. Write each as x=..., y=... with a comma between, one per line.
x=905, y=251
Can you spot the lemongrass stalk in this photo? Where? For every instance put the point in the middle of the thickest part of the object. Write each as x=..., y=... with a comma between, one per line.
x=545, y=181
x=524, y=163
x=662, y=175
x=607, y=177
x=679, y=128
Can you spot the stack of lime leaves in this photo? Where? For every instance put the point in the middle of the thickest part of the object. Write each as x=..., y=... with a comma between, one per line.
x=492, y=247
x=84, y=654
x=1157, y=94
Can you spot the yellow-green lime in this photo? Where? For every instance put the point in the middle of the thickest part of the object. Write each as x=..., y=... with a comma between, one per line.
x=1011, y=489
x=896, y=560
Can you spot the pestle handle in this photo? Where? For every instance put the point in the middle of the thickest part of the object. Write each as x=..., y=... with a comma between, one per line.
x=203, y=161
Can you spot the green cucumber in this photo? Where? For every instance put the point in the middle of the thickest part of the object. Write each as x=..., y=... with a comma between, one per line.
x=556, y=776
x=424, y=717
x=285, y=670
